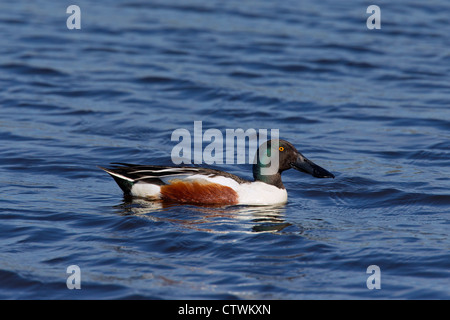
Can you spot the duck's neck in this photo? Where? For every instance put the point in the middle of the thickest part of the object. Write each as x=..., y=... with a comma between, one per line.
x=273, y=179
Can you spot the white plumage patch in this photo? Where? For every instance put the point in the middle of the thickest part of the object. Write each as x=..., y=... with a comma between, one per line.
x=260, y=194
x=146, y=190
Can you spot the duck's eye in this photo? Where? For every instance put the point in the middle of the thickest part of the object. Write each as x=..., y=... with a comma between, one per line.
x=281, y=148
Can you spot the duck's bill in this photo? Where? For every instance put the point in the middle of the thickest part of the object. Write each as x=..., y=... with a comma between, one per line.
x=305, y=165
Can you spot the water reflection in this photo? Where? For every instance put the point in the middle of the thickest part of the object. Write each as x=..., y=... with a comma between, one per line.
x=260, y=218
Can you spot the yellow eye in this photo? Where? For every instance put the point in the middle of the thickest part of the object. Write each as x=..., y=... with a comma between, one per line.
x=281, y=148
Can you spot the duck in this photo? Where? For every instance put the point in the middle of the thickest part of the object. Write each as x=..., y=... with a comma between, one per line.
x=207, y=186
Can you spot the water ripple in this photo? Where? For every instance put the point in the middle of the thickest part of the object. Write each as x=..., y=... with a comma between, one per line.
x=371, y=106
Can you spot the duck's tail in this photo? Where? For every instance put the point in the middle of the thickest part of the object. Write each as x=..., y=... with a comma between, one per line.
x=125, y=183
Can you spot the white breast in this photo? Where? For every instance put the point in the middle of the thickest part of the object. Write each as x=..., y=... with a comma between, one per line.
x=260, y=193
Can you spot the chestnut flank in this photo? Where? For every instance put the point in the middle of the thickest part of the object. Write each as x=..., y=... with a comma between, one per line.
x=198, y=192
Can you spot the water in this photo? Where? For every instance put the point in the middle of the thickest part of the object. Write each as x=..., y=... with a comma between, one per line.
x=371, y=106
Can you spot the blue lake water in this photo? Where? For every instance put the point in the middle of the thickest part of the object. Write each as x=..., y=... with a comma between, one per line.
x=371, y=106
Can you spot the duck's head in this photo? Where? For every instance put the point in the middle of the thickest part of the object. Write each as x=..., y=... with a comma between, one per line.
x=266, y=168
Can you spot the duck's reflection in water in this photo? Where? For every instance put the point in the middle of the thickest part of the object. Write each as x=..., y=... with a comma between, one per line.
x=260, y=218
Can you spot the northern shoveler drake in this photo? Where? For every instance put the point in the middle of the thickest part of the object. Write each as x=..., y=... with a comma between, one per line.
x=195, y=185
